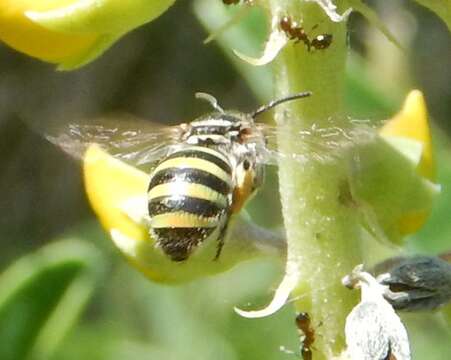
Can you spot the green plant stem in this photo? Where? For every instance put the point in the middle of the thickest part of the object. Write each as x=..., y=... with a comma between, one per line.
x=322, y=231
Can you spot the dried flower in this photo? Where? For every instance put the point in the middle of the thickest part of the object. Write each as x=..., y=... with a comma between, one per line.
x=373, y=329
x=415, y=283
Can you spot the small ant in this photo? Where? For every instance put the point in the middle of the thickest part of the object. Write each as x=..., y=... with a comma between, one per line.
x=296, y=32
x=234, y=2
x=322, y=41
x=304, y=324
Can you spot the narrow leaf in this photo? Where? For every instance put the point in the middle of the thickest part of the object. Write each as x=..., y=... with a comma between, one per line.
x=41, y=295
x=441, y=7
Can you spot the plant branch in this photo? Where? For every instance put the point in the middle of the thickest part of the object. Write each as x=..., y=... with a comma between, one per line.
x=322, y=229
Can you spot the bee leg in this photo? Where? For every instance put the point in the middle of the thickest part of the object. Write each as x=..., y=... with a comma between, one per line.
x=221, y=237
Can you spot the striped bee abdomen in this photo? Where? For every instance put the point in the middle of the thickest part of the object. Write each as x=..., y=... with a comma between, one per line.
x=189, y=198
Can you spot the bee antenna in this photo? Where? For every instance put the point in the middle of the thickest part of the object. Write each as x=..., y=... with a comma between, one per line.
x=274, y=103
x=211, y=99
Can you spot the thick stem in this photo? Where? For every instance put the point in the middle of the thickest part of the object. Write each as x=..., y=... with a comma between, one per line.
x=322, y=229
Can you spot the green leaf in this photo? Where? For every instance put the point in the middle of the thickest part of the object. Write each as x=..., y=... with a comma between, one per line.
x=446, y=311
x=441, y=7
x=42, y=295
x=374, y=20
x=434, y=237
x=392, y=195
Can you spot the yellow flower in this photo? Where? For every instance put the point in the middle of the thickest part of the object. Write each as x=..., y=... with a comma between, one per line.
x=412, y=123
x=118, y=195
x=71, y=33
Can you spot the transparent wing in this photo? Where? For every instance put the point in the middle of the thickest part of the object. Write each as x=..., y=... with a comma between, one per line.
x=323, y=144
x=135, y=141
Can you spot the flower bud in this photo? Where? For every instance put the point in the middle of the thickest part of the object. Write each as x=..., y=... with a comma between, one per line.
x=72, y=33
x=393, y=177
x=415, y=283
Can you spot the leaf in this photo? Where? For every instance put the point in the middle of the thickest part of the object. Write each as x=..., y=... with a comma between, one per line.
x=393, y=176
x=382, y=175
x=375, y=21
x=434, y=237
x=42, y=295
x=441, y=7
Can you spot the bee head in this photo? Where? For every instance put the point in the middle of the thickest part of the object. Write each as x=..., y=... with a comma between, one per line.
x=236, y=125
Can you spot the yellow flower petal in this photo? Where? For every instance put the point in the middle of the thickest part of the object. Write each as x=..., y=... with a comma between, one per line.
x=109, y=183
x=22, y=34
x=410, y=223
x=100, y=16
x=118, y=194
x=412, y=123
x=72, y=33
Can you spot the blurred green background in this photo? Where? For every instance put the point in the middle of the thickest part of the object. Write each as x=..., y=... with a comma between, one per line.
x=74, y=296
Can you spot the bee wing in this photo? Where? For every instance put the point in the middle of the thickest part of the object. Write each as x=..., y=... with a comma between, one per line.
x=135, y=141
x=313, y=144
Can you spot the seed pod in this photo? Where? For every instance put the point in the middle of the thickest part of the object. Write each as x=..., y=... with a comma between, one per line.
x=415, y=283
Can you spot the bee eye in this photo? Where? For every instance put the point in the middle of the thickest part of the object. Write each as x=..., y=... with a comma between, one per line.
x=246, y=164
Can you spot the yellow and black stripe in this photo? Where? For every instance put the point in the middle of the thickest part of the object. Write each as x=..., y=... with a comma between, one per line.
x=189, y=199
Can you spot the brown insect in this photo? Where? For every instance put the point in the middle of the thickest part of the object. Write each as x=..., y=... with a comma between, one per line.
x=296, y=32
x=234, y=2
x=322, y=41
x=304, y=324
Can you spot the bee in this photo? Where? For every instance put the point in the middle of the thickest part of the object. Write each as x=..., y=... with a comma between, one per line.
x=203, y=172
